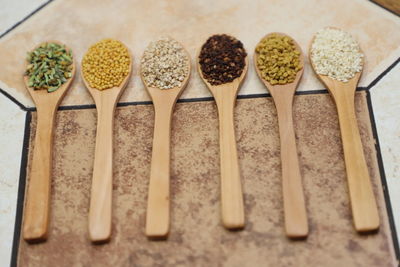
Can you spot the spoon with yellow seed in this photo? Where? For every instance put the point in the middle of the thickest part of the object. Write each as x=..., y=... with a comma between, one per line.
x=279, y=64
x=106, y=69
x=50, y=71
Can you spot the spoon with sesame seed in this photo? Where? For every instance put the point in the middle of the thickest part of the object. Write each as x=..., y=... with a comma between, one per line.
x=105, y=98
x=363, y=203
x=37, y=207
x=296, y=224
x=165, y=71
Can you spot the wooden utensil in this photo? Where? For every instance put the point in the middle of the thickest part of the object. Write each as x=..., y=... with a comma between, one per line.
x=158, y=203
x=37, y=209
x=363, y=203
x=296, y=224
x=231, y=186
x=101, y=194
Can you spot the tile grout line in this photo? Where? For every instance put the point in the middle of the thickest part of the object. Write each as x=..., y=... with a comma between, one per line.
x=383, y=74
x=21, y=190
x=189, y=100
x=25, y=18
x=14, y=100
x=381, y=167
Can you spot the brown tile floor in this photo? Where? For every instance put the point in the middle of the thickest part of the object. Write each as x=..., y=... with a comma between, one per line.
x=197, y=237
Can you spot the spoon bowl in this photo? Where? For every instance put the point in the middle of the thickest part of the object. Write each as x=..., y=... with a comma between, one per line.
x=274, y=89
x=363, y=203
x=232, y=207
x=158, y=203
x=296, y=224
x=100, y=211
x=37, y=209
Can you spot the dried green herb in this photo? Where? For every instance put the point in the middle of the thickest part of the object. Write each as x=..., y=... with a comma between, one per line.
x=49, y=66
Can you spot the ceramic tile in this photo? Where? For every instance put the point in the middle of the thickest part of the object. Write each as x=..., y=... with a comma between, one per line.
x=12, y=124
x=136, y=23
x=12, y=12
x=197, y=237
x=386, y=105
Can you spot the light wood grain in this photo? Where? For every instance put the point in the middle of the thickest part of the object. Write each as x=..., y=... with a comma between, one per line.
x=296, y=225
x=231, y=186
x=37, y=207
x=158, y=203
x=100, y=211
x=363, y=203
x=393, y=5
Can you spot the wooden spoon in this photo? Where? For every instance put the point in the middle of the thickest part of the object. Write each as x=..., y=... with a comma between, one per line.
x=101, y=195
x=296, y=225
x=36, y=217
x=231, y=187
x=158, y=203
x=363, y=203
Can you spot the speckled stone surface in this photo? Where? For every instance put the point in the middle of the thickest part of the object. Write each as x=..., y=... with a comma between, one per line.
x=197, y=237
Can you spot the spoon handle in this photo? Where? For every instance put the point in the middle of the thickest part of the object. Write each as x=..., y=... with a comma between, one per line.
x=296, y=224
x=157, y=221
x=36, y=217
x=231, y=187
x=363, y=204
x=101, y=194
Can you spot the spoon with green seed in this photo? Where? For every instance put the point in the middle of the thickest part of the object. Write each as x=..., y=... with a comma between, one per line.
x=50, y=71
x=278, y=61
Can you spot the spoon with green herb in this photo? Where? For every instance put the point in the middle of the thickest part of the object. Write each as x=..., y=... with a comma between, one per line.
x=49, y=73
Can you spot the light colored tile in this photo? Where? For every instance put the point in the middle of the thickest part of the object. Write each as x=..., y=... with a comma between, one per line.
x=136, y=23
x=12, y=124
x=386, y=105
x=11, y=12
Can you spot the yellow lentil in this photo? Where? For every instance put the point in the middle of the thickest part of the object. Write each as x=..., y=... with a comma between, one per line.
x=278, y=59
x=106, y=64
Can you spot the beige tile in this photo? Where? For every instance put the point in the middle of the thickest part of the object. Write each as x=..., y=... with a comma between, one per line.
x=386, y=105
x=136, y=23
x=12, y=124
x=11, y=12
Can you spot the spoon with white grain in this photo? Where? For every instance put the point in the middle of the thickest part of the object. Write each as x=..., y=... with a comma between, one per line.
x=165, y=71
x=337, y=60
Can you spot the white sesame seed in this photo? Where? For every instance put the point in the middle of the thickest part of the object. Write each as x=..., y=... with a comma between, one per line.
x=336, y=54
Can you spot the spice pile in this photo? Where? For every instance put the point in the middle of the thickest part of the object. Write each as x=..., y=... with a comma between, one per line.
x=49, y=66
x=165, y=64
x=335, y=53
x=278, y=59
x=222, y=59
x=106, y=64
